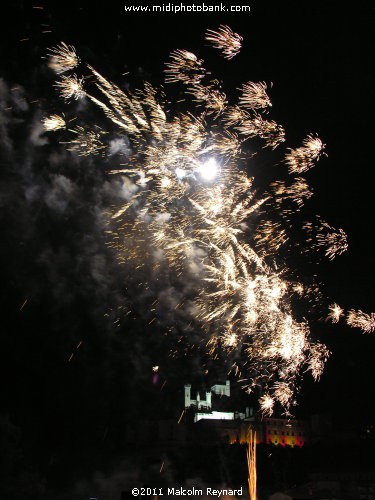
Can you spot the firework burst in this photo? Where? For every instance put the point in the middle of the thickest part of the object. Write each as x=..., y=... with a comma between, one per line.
x=191, y=204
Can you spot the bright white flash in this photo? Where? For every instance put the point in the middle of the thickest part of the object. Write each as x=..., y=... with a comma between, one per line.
x=180, y=173
x=209, y=169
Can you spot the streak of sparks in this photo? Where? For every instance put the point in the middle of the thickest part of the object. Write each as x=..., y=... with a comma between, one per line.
x=317, y=357
x=185, y=67
x=182, y=414
x=224, y=39
x=303, y=158
x=254, y=96
x=87, y=142
x=210, y=96
x=251, y=464
x=23, y=305
x=62, y=58
x=359, y=319
x=321, y=235
x=283, y=393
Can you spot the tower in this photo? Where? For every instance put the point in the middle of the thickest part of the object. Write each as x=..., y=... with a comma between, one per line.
x=187, y=395
x=227, y=388
x=208, y=400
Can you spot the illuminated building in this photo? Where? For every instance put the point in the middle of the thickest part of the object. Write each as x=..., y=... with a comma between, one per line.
x=233, y=426
x=205, y=405
x=285, y=432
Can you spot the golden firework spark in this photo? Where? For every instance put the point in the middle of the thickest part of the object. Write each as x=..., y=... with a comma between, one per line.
x=303, y=158
x=298, y=191
x=184, y=67
x=62, y=58
x=87, y=142
x=254, y=96
x=254, y=125
x=317, y=357
x=359, y=319
x=270, y=237
x=53, y=123
x=335, y=313
x=209, y=96
x=224, y=39
x=283, y=393
x=266, y=403
x=333, y=241
x=70, y=87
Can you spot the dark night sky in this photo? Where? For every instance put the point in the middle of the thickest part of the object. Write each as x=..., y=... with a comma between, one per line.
x=53, y=253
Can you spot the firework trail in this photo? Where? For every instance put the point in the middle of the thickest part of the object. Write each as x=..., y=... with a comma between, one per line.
x=193, y=205
x=251, y=464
